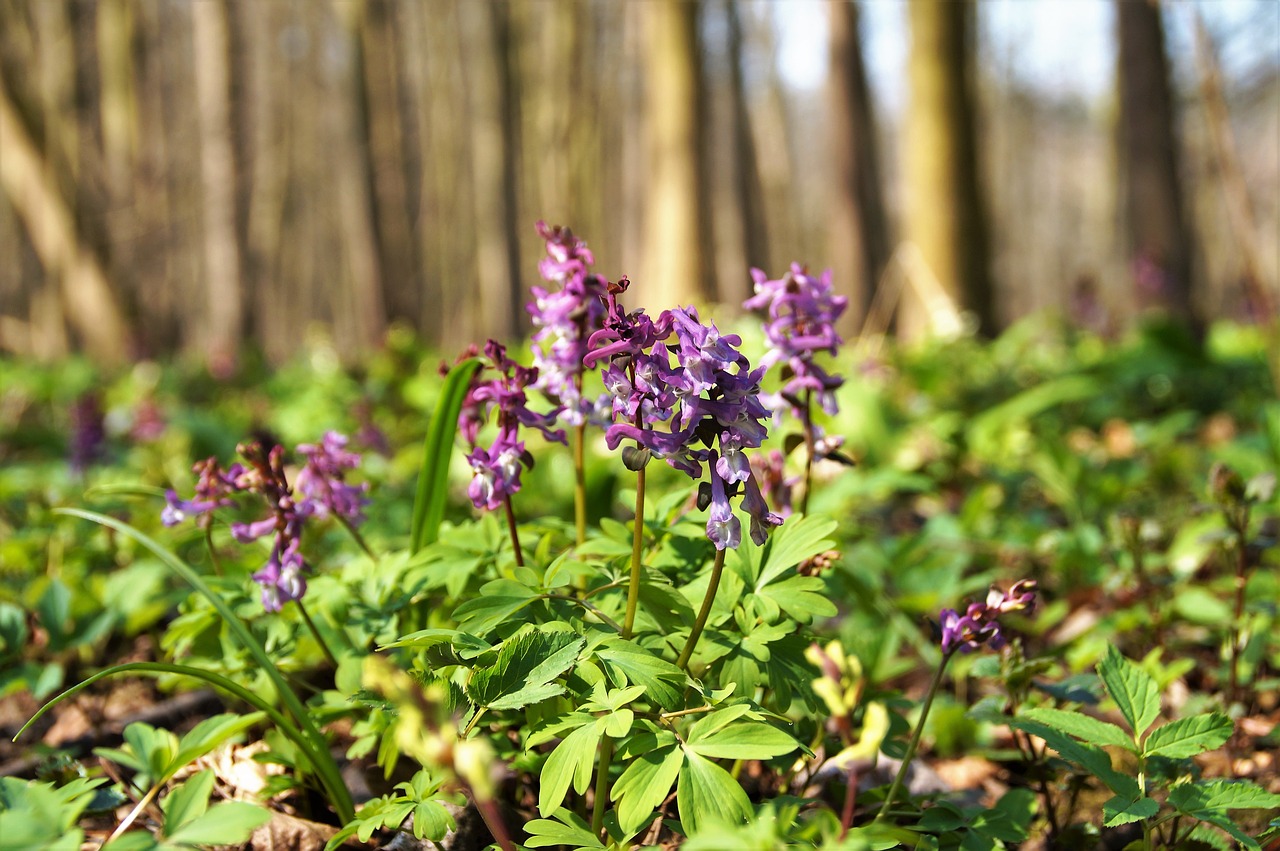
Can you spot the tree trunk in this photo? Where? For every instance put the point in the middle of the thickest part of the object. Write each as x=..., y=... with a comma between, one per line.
x=87, y=299
x=945, y=211
x=675, y=260
x=224, y=322
x=748, y=192
x=1159, y=242
x=493, y=168
x=858, y=239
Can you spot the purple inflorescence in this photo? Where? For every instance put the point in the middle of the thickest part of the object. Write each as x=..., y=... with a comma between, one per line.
x=497, y=469
x=802, y=311
x=685, y=376
x=320, y=492
x=565, y=317
x=980, y=624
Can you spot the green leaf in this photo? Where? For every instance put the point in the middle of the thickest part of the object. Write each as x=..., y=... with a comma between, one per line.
x=497, y=601
x=156, y=748
x=1091, y=758
x=422, y=639
x=228, y=823
x=1084, y=727
x=571, y=761
x=210, y=733
x=1119, y=810
x=802, y=597
x=797, y=540
x=54, y=609
x=706, y=793
x=745, y=740
x=1221, y=795
x=568, y=830
x=311, y=741
x=188, y=801
x=663, y=682
x=1189, y=736
x=644, y=785
x=1133, y=690
x=433, y=478
x=1224, y=821
x=524, y=669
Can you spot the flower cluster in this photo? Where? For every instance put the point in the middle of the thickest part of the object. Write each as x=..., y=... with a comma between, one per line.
x=980, y=624
x=684, y=374
x=497, y=469
x=320, y=492
x=802, y=312
x=565, y=318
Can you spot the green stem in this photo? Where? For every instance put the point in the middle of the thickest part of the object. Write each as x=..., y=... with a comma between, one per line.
x=511, y=527
x=809, y=450
x=1242, y=580
x=213, y=553
x=712, y=586
x=356, y=536
x=637, y=549
x=133, y=813
x=580, y=483
x=602, y=786
x=311, y=625
x=915, y=739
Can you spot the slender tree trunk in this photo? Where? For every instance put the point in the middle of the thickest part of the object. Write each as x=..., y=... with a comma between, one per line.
x=87, y=299
x=748, y=192
x=493, y=151
x=945, y=209
x=224, y=323
x=675, y=264
x=1160, y=251
x=858, y=239
x=358, y=216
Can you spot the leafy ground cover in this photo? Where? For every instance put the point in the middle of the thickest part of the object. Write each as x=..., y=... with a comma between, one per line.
x=1017, y=594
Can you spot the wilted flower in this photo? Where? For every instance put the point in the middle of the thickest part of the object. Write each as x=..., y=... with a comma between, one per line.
x=980, y=623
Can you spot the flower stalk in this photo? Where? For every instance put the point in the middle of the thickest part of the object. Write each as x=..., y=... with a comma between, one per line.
x=700, y=623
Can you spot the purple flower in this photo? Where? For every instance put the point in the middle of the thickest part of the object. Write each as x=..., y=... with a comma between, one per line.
x=684, y=392
x=497, y=474
x=802, y=311
x=320, y=482
x=321, y=491
x=565, y=319
x=88, y=432
x=980, y=623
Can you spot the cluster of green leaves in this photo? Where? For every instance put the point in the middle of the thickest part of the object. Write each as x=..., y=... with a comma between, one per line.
x=1159, y=756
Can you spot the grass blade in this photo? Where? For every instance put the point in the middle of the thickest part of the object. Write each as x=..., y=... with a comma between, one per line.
x=318, y=749
x=428, y=504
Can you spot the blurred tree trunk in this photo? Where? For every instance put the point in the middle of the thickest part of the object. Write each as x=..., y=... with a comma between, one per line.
x=223, y=324
x=748, y=193
x=494, y=151
x=385, y=125
x=945, y=210
x=86, y=297
x=858, y=238
x=355, y=185
x=1159, y=241
x=675, y=269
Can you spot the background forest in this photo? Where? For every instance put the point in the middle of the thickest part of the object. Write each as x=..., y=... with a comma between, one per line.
x=196, y=175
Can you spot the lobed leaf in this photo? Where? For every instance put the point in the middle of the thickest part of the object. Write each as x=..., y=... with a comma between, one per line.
x=745, y=740
x=706, y=793
x=571, y=761
x=1133, y=690
x=645, y=784
x=1084, y=727
x=1189, y=736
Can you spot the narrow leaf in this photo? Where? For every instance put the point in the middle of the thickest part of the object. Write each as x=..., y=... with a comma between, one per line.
x=644, y=785
x=433, y=478
x=1221, y=795
x=1132, y=689
x=571, y=761
x=745, y=740
x=706, y=793
x=1084, y=727
x=1189, y=736
x=188, y=801
x=228, y=823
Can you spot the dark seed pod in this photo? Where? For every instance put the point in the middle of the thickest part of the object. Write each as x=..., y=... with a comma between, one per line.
x=635, y=458
x=704, y=495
